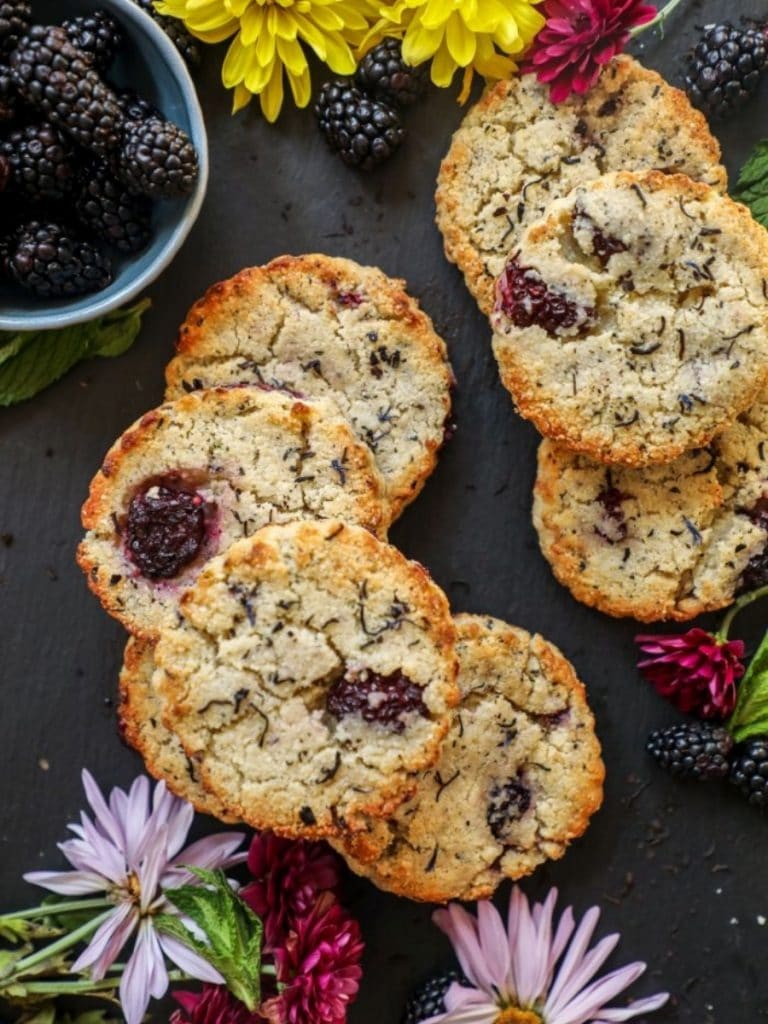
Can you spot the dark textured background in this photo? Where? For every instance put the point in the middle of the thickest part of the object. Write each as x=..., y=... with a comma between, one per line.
x=680, y=870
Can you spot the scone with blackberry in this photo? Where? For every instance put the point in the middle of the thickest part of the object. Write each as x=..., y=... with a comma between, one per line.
x=631, y=322
x=516, y=151
x=519, y=776
x=326, y=326
x=310, y=677
x=192, y=476
x=663, y=542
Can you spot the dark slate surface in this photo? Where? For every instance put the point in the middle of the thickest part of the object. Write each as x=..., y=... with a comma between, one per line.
x=679, y=870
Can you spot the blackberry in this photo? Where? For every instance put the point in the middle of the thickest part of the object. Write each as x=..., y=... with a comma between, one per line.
x=49, y=261
x=157, y=159
x=613, y=527
x=97, y=34
x=692, y=750
x=135, y=107
x=384, y=74
x=428, y=1000
x=15, y=22
x=755, y=573
x=527, y=300
x=9, y=104
x=507, y=803
x=165, y=530
x=59, y=80
x=106, y=207
x=5, y=172
x=364, y=132
x=749, y=770
x=376, y=698
x=183, y=40
x=724, y=68
x=43, y=162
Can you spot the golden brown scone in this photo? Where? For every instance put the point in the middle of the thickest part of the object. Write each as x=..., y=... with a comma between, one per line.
x=631, y=323
x=663, y=542
x=519, y=776
x=194, y=475
x=516, y=151
x=141, y=725
x=326, y=326
x=310, y=677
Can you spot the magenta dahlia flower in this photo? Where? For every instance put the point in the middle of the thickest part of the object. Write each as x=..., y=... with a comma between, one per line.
x=288, y=878
x=694, y=670
x=318, y=967
x=535, y=970
x=581, y=36
x=215, y=1004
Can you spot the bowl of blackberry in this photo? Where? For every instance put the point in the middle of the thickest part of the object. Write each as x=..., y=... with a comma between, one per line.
x=103, y=156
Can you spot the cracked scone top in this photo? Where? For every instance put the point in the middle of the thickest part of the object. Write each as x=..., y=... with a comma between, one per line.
x=327, y=326
x=140, y=715
x=192, y=476
x=519, y=776
x=516, y=151
x=631, y=323
x=310, y=677
x=662, y=542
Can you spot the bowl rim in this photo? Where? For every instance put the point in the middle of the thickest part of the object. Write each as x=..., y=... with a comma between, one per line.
x=188, y=216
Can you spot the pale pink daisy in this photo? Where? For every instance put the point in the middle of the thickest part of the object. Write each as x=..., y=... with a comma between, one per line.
x=132, y=851
x=532, y=972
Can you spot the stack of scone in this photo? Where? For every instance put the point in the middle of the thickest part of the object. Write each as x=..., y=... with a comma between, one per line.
x=628, y=297
x=289, y=668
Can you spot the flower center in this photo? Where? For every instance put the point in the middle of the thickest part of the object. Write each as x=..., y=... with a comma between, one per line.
x=514, y=1015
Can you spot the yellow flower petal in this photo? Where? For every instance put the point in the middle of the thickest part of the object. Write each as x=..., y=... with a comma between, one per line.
x=419, y=43
x=251, y=24
x=265, y=48
x=241, y=97
x=466, y=85
x=292, y=55
x=461, y=43
x=257, y=77
x=311, y=34
x=339, y=56
x=301, y=88
x=443, y=68
x=272, y=96
x=236, y=64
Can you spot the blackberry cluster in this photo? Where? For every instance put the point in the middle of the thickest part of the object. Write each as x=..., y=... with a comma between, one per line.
x=692, y=750
x=360, y=119
x=85, y=160
x=184, y=42
x=749, y=771
x=724, y=68
x=428, y=1000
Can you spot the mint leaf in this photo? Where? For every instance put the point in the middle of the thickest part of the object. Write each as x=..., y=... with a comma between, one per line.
x=31, y=361
x=233, y=931
x=752, y=186
x=750, y=716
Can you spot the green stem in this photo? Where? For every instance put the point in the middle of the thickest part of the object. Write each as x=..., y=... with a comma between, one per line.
x=659, y=20
x=269, y=969
x=54, y=909
x=52, y=950
x=86, y=986
x=754, y=595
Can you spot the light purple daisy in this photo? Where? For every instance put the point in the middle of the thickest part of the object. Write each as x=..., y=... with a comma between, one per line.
x=132, y=851
x=532, y=972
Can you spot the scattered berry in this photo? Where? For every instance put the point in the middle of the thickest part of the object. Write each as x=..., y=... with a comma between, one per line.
x=96, y=34
x=106, y=207
x=749, y=770
x=725, y=66
x=49, y=261
x=383, y=73
x=15, y=22
x=524, y=297
x=692, y=750
x=135, y=107
x=364, y=132
x=165, y=530
x=9, y=106
x=613, y=527
x=507, y=803
x=184, y=42
x=158, y=159
x=428, y=1000
x=42, y=160
x=60, y=81
x=384, y=700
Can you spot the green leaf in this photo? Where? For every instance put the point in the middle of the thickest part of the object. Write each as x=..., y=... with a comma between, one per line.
x=16, y=929
x=752, y=186
x=30, y=362
x=233, y=931
x=750, y=716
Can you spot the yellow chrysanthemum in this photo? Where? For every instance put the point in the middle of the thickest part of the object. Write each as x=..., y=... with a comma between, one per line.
x=269, y=42
x=476, y=35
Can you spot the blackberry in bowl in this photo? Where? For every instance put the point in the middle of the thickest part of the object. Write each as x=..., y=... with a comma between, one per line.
x=103, y=51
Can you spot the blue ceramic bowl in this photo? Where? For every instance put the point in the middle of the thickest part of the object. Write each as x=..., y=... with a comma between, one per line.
x=150, y=64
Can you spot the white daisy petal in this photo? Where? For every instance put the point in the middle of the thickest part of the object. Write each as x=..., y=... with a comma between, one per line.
x=189, y=961
x=66, y=883
x=104, y=948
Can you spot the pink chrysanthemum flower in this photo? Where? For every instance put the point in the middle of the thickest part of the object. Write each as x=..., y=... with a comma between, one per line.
x=288, y=878
x=132, y=851
x=514, y=974
x=319, y=967
x=579, y=38
x=215, y=1004
x=694, y=670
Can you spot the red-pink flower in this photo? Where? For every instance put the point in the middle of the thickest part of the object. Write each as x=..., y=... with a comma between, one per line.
x=288, y=878
x=580, y=36
x=319, y=965
x=694, y=670
x=215, y=1004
